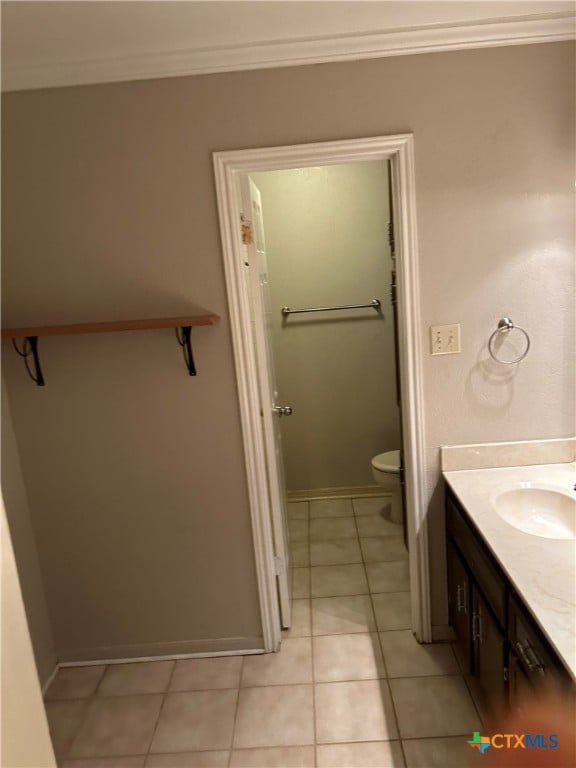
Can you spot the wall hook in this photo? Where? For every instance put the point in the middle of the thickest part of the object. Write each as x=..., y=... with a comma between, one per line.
x=30, y=348
x=186, y=345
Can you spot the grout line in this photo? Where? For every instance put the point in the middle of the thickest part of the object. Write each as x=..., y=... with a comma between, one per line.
x=236, y=711
x=161, y=708
x=89, y=700
x=102, y=676
x=379, y=641
x=311, y=639
x=472, y=697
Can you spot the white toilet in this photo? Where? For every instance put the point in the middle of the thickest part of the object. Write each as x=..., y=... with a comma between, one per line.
x=386, y=472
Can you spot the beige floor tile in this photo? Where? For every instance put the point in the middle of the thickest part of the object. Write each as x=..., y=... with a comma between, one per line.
x=64, y=721
x=141, y=677
x=211, y=759
x=374, y=505
x=292, y=664
x=273, y=757
x=75, y=683
x=126, y=761
x=405, y=657
x=196, y=720
x=377, y=525
x=347, y=657
x=300, y=583
x=297, y=530
x=330, y=528
x=298, y=510
x=433, y=706
x=392, y=610
x=338, y=552
x=388, y=577
x=342, y=615
x=354, y=711
x=278, y=716
x=206, y=674
x=334, y=580
x=331, y=508
x=121, y=725
x=382, y=549
x=368, y=754
x=301, y=620
x=451, y=752
x=299, y=554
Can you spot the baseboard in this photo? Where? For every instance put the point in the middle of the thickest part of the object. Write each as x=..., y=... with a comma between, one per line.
x=311, y=494
x=443, y=633
x=188, y=649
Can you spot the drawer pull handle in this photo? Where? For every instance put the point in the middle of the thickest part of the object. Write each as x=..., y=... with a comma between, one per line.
x=477, y=627
x=529, y=657
x=461, y=598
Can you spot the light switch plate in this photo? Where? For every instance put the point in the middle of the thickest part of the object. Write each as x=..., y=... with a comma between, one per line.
x=445, y=339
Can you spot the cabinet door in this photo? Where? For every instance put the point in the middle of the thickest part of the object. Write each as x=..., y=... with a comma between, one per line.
x=521, y=692
x=488, y=656
x=459, y=607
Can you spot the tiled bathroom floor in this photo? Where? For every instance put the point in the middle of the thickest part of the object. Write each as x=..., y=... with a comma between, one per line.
x=350, y=686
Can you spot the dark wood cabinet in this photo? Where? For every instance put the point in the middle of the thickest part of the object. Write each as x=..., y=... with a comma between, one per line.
x=498, y=643
x=488, y=656
x=459, y=606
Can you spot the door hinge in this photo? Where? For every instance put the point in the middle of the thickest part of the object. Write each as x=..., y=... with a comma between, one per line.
x=393, y=289
x=246, y=228
x=391, y=241
x=506, y=674
x=279, y=567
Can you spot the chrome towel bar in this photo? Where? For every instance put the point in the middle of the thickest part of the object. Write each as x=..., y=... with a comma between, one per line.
x=374, y=304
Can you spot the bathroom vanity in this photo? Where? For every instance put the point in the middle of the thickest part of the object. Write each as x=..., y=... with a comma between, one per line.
x=512, y=593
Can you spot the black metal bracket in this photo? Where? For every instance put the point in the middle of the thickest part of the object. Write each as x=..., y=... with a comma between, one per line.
x=184, y=342
x=30, y=348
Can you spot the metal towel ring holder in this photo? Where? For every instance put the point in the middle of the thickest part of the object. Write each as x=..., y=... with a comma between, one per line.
x=505, y=325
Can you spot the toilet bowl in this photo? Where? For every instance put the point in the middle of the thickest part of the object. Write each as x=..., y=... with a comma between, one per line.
x=386, y=472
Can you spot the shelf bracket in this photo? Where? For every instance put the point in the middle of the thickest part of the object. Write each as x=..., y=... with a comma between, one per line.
x=186, y=345
x=30, y=349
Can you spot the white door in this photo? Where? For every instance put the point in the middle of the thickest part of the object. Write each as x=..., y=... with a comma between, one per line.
x=271, y=410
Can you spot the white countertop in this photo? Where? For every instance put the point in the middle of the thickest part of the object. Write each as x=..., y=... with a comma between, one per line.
x=543, y=571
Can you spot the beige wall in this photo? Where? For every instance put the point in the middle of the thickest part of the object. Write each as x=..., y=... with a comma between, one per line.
x=24, y=728
x=25, y=548
x=134, y=471
x=327, y=244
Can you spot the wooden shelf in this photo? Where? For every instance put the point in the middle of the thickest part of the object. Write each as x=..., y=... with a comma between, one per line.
x=33, y=333
x=110, y=327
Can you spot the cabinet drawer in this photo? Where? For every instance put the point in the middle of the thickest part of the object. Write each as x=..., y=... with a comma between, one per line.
x=485, y=573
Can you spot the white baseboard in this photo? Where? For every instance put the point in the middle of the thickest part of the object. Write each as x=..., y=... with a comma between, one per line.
x=190, y=649
x=311, y=494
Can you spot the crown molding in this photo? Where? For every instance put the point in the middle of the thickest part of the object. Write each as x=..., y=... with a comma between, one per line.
x=521, y=30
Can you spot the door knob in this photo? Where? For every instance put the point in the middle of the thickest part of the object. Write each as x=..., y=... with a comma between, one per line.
x=283, y=410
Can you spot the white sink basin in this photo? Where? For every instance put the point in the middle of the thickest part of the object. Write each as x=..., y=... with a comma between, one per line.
x=540, y=511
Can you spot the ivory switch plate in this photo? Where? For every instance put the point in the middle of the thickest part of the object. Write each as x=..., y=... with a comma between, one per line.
x=445, y=339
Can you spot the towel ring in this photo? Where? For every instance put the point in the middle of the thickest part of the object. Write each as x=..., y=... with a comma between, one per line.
x=505, y=325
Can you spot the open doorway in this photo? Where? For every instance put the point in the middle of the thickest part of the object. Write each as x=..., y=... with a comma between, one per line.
x=324, y=363
x=321, y=250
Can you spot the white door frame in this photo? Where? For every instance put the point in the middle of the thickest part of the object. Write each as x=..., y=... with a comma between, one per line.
x=228, y=166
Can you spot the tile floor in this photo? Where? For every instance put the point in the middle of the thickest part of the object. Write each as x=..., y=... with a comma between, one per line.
x=350, y=686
